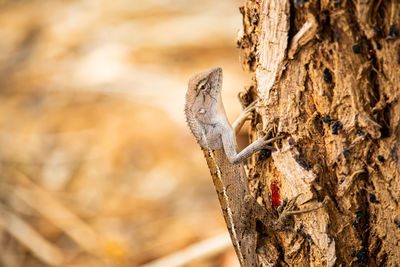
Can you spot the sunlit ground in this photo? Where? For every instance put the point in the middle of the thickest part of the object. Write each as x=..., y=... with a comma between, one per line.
x=97, y=165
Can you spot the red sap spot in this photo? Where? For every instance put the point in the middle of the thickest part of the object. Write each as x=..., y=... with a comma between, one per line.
x=258, y=2
x=275, y=194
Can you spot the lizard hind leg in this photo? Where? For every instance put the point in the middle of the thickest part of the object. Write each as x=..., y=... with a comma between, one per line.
x=288, y=210
x=259, y=212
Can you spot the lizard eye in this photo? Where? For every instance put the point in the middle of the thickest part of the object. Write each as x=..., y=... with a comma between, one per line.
x=202, y=111
x=202, y=85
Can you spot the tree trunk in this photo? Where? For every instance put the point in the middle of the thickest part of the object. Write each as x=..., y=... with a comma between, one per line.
x=328, y=77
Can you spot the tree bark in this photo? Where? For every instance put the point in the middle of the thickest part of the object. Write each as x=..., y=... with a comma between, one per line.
x=328, y=77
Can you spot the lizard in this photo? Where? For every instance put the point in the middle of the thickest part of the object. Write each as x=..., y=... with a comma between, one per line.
x=207, y=120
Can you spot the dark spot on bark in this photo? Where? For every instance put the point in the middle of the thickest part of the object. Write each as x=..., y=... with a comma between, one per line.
x=336, y=127
x=327, y=119
x=284, y=203
x=393, y=31
x=264, y=154
x=327, y=76
x=330, y=51
x=356, y=49
x=346, y=153
x=301, y=227
x=252, y=57
x=341, y=180
x=372, y=198
x=360, y=133
x=381, y=158
x=362, y=256
x=353, y=254
x=302, y=163
x=359, y=217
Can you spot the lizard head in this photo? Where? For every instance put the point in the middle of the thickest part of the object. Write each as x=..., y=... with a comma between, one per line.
x=203, y=101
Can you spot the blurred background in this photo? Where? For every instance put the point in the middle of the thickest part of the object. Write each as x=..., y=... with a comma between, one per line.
x=97, y=165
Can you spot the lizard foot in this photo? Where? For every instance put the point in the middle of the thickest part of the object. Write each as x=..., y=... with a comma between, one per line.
x=288, y=210
x=264, y=140
x=244, y=116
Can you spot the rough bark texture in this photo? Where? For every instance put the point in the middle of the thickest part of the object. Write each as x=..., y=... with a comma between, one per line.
x=328, y=75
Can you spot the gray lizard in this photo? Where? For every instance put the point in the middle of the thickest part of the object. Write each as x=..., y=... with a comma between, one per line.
x=207, y=120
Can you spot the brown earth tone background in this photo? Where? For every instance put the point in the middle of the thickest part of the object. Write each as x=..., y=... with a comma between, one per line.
x=97, y=166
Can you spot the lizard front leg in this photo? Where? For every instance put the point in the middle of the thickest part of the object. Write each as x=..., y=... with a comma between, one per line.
x=229, y=138
x=230, y=147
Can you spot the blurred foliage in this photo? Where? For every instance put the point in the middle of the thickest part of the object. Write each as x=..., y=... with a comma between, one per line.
x=97, y=166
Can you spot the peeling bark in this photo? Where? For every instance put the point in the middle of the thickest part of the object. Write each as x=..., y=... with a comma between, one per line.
x=328, y=76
